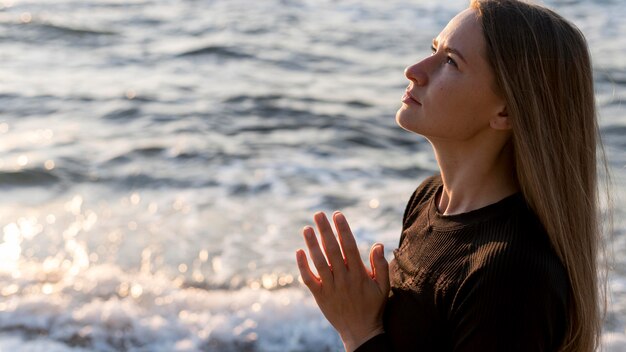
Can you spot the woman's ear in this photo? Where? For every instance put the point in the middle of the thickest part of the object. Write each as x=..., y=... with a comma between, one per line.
x=501, y=121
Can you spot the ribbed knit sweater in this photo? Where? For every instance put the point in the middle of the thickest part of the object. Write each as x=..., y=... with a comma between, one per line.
x=485, y=280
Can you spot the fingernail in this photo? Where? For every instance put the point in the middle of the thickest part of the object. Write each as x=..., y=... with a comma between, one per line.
x=381, y=250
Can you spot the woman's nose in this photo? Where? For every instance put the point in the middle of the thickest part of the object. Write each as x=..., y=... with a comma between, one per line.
x=416, y=74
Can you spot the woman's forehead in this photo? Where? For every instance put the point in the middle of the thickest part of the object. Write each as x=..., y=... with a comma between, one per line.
x=465, y=25
x=464, y=33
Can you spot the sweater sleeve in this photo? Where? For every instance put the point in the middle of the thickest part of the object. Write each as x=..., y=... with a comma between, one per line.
x=378, y=343
x=520, y=309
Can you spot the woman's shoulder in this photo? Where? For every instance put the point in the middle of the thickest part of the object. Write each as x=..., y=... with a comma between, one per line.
x=516, y=237
x=430, y=185
x=519, y=248
x=516, y=292
x=426, y=190
x=520, y=261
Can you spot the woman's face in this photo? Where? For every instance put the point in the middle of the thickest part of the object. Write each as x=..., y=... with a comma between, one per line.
x=450, y=95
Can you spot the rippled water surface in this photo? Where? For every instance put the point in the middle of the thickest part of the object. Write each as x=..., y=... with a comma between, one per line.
x=158, y=159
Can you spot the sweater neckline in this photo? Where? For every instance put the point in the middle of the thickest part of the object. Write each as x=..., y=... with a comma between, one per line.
x=456, y=221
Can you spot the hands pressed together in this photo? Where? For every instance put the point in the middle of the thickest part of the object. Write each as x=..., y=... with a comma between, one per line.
x=351, y=297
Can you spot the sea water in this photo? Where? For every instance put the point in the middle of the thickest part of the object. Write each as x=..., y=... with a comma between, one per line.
x=159, y=158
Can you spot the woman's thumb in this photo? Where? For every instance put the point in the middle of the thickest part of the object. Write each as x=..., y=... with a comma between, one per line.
x=380, y=267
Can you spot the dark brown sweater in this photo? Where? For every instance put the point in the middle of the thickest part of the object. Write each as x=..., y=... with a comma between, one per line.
x=486, y=280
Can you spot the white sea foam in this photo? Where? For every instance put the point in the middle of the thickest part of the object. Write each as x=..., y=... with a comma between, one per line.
x=107, y=309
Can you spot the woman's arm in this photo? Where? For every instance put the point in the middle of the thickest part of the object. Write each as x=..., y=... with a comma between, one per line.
x=351, y=297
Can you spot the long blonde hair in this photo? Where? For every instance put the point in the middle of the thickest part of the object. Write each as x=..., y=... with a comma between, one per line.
x=543, y=70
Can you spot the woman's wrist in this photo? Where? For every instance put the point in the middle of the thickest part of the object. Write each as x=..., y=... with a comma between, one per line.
x=352, y=341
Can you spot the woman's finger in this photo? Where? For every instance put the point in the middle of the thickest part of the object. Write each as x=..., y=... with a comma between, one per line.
x=331, y=247
x=317, y=256
x=308, y=277
x=348, y=244
x=380, y=267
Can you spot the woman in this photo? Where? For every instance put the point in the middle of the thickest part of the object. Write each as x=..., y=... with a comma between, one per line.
x=498, y=252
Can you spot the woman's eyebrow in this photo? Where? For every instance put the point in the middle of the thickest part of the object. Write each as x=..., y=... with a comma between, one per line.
x=450, y=50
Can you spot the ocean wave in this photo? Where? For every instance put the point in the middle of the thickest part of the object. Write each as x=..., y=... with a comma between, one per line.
x=219, y=51
x=265, y=98
x=123, y=113
x=612, y=75
x=28, y=177
x=104, y=308
x=66, y=30
x=147, y=180
x=38, y=32
x=614, y=135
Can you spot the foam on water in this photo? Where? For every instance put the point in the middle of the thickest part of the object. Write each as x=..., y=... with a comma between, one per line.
x=107, y=309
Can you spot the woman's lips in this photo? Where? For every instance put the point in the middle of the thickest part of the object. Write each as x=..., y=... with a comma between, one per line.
x=408, y=99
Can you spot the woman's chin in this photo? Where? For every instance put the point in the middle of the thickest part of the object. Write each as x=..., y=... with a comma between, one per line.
x=405, y=121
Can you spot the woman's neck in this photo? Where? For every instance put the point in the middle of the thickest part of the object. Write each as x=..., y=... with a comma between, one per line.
x=474, y=176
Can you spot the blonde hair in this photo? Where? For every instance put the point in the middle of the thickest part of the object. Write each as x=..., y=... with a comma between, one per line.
x=543, y=71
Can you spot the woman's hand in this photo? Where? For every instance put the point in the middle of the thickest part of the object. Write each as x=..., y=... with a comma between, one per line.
x=351, y=297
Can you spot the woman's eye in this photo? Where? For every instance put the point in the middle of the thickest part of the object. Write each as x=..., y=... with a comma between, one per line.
x=450, y=61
